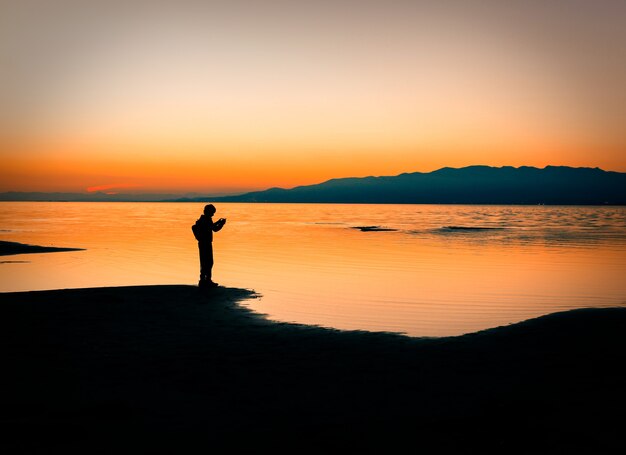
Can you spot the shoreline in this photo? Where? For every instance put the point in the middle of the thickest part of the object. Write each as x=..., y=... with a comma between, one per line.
x=161, y=368
x=14, y=248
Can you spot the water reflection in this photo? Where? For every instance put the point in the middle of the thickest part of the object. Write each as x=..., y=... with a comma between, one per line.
x=434, y=270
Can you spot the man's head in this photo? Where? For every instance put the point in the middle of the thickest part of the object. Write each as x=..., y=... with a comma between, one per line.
x=209, y=210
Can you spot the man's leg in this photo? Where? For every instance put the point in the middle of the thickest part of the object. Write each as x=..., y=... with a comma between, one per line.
x=206, y=262
x=209, y=262
x=203, y=262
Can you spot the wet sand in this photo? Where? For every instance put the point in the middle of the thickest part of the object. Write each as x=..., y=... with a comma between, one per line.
x=173, y=369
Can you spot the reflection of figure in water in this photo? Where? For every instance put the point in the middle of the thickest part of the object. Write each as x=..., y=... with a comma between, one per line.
x=203, y=231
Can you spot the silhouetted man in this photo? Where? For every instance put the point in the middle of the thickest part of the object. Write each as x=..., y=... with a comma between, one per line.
x=203, y=231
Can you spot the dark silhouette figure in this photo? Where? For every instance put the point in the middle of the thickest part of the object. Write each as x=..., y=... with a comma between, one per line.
x=203, y=231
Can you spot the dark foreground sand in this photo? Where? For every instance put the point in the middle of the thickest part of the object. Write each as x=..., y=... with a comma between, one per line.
x=172, y=369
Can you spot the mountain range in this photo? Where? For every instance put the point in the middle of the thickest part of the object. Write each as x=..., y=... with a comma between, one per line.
x=467, y=185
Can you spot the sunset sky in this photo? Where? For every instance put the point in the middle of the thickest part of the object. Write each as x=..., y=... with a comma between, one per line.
x=230, y=96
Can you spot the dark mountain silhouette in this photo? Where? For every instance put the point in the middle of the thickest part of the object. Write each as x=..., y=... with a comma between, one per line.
x=468, y=185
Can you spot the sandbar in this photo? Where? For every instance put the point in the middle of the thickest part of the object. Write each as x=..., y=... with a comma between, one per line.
x=8, y=248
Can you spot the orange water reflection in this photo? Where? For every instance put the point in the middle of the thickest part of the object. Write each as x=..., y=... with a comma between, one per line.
x=311, y=266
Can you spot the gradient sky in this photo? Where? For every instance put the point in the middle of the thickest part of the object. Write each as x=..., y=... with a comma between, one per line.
x=230, y=96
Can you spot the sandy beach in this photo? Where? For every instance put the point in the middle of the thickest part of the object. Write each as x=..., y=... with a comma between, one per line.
x=173, y=369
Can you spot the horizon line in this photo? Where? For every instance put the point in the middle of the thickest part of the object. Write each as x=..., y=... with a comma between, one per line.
x=198, y=193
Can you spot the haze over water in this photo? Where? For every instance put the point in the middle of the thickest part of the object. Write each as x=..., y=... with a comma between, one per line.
x=438, y=270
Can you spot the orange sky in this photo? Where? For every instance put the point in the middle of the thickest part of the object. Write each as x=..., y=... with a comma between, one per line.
x=227, y=98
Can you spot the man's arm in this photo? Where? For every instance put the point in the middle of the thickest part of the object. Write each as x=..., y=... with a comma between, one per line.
x=219, y=224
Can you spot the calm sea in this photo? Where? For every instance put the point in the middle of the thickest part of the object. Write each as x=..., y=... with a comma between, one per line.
x=437, y=270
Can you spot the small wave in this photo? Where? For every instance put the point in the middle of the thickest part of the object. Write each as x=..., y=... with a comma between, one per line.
x=373, y=228
x=471, y=228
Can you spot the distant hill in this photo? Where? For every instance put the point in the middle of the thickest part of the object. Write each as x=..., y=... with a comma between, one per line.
x=468, y=185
